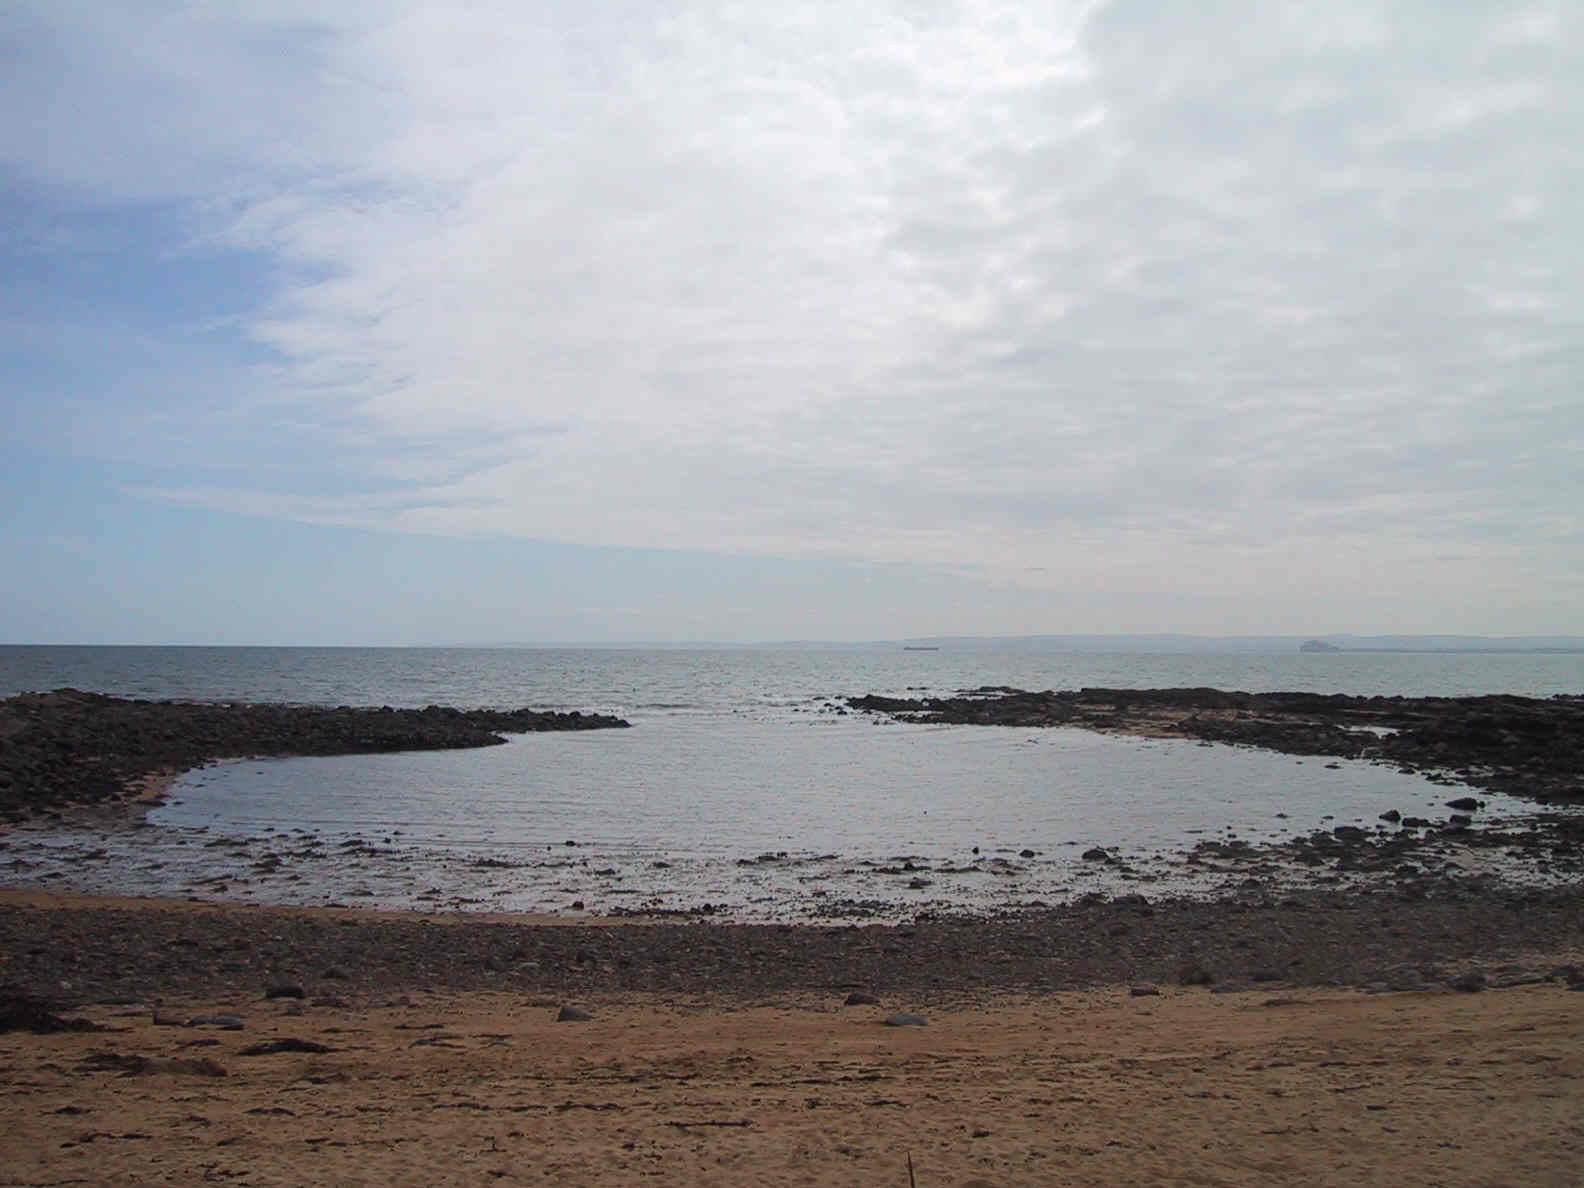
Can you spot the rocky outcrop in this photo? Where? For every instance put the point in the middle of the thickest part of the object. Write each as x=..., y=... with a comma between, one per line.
x=1523, y=746
x=70, y=747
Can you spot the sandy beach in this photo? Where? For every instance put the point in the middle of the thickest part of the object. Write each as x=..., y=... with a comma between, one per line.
x=276, y=1046
x=1094, y=1087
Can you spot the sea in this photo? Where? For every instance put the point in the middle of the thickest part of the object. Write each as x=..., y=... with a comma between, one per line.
x=745, y=788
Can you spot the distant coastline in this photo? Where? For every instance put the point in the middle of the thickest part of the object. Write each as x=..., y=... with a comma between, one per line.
x=1158, y=643
x=1164, y=644
x=1326, y=647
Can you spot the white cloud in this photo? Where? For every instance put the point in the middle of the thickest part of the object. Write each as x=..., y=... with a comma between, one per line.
x=1238, y=297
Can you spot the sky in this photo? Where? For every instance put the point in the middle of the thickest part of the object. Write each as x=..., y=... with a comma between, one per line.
x=388, y=322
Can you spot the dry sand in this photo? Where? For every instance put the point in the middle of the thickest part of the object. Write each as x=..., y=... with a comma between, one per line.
x=1191, y=1088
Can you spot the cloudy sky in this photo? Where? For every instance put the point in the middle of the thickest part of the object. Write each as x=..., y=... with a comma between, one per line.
x=565, y=321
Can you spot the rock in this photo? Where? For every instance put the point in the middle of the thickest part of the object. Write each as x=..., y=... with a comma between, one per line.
x=24, y=1012
x=1143, y=992
x=1469, y=983
x=1391, y=815
x=1025, y=853
x=572, y=1014
x=1193, y=973
x=134, y=1065
x=223, y=1022
x=904, y=1019
x=286, y=1044
x=1464, y=804
x=861, y=998
x=283, y=990
x=918, y=884
x=70, y=745
x=1096, y=854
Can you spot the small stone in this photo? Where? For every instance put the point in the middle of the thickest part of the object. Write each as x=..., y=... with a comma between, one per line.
x=1464, y=804
x=1193, y=973
x=1025, y=853
x=572, y=1014
x=1096, y=854
x=904, y=1019
x=1470, y=983
x=1143, y=992
x=223, y=1022
x=283, y=990
x=286, y=1044
x=861, y=998
x=1391, y=815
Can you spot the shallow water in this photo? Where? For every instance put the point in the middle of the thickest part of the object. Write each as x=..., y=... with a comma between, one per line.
x=741, y=785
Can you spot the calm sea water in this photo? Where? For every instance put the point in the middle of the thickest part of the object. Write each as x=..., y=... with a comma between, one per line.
x=721, y=681
x=742, y=783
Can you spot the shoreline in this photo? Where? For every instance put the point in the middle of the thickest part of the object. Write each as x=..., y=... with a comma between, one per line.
x=75, y=948
x=1406, y=855
x=69, y=748
x=1528, y=747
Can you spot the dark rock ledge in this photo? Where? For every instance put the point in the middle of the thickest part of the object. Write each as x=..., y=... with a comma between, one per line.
x=74, y=748
x=1522, y=746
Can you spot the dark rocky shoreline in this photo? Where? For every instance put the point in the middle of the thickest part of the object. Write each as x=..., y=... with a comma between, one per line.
x=78, y=954
x=1416, y=928
x=1524, y=747
x=1527, y=747
x=74, y=748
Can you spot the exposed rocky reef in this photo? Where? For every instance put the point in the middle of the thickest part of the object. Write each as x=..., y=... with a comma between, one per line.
x=1521, y=746
x=71, y=747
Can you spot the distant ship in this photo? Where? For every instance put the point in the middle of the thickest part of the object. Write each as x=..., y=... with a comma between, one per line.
x=921, y=647
x=1317, y=645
